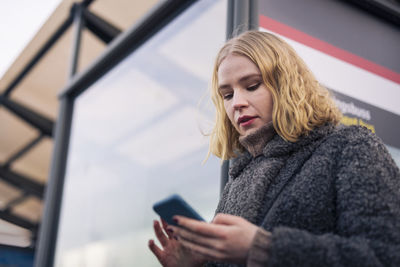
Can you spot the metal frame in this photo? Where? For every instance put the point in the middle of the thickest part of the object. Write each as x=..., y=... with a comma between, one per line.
x=27, y=185
x=243, y=16
x=125, y=44
x=7, y=216
x=22, y=151
x=104, y=31
x=54, y=189
x=117, y=51
x=36, y=120
x=384, y=9
x=53, y=39
x=101, y=28
x=43, y=50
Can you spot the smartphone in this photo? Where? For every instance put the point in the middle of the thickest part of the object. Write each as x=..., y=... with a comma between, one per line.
x=175, y=205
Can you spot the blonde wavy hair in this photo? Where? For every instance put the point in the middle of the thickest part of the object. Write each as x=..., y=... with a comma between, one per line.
x=300, y=102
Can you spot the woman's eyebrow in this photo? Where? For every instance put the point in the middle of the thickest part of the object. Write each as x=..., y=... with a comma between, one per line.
x=223, y=86
x=250, y=76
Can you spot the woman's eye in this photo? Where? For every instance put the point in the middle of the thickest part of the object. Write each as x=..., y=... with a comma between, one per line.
x=253, y=87
x=227, y=96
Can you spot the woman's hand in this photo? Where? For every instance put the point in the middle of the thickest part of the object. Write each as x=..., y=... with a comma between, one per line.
x=172, y=254
x=228, y=238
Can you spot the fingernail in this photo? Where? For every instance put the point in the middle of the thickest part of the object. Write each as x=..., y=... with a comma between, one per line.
x=175, y=220
x=170, y=230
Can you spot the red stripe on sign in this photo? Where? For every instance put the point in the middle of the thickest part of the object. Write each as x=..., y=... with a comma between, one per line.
x=327, y=48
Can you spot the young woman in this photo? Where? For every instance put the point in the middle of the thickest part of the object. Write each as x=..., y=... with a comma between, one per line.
x=303, y=190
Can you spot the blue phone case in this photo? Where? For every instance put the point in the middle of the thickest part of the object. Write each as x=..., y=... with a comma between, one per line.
x=175, y=205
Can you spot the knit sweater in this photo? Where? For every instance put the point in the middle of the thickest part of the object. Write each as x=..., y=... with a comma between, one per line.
x=330, y=199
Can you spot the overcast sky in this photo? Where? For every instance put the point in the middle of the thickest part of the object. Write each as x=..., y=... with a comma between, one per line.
x=19, y=22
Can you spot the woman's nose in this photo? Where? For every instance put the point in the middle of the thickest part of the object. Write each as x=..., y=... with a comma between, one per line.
x=239, y=100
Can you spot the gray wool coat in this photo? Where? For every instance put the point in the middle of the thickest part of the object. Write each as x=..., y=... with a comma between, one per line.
x=330, y=199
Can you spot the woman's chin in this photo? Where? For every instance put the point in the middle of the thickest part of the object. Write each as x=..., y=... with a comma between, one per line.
x=248, y=132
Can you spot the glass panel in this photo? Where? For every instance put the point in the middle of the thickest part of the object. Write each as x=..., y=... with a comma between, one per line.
x=395, y=152
x=136, y=138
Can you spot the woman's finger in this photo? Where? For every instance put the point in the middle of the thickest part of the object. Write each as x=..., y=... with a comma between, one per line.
x=202, y=228
x=164, y=223
x=206, y=252
x=160, y=234
x=156, y=250
x=194, y=238
x=165, y=227
x=227, y=219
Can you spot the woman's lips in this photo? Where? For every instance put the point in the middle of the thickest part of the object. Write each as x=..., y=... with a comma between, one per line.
x=247, y=121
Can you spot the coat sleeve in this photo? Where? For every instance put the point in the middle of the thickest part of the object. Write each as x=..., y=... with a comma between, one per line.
x=368, y=214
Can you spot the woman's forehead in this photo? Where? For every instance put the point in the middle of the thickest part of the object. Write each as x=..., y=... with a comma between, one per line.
x=236, y=67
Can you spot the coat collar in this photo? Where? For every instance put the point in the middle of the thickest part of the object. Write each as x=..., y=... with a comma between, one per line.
x=278, y=147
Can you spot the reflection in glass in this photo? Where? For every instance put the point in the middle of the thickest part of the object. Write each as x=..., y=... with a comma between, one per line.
x=395, y=153
x=136, y=138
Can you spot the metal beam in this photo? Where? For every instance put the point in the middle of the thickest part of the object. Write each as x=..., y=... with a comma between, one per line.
x=22, y=151
x=43, y=50
x=386, y=10
x=26, y=184
x=79, y=22
x=242, y=16
x=17, y=220
x=52, y=40
x=125, y=43
x=15, y=202
x=101, y=28
x=38, y=121
x=87, y=3
x=253, y=15
x=54, y=190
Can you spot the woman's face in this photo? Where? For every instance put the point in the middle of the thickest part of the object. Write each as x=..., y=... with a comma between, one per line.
x=247, y=101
